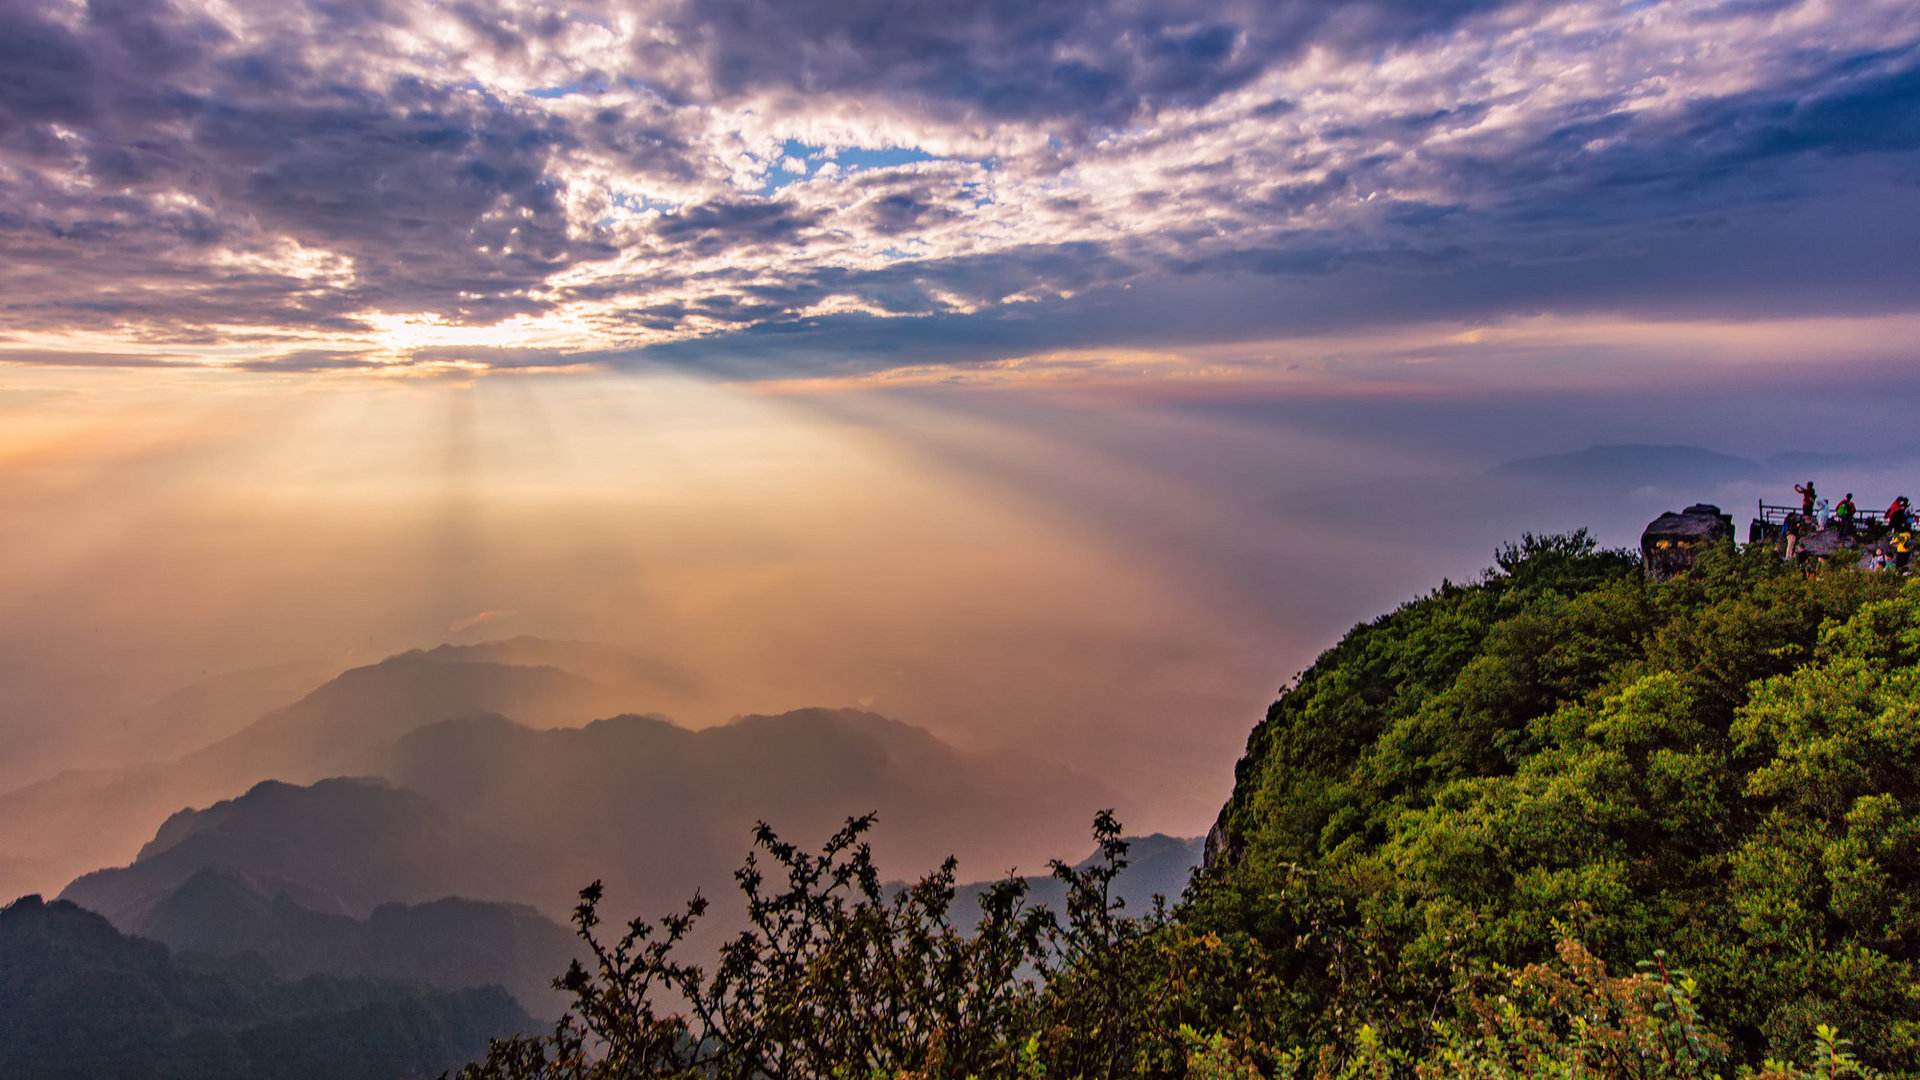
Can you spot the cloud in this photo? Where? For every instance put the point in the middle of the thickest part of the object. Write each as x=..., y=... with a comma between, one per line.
x=310, y=360
x=354, y=183
x=476, y=620
x=735, y=223
x=1087, y=63
x=46, y=358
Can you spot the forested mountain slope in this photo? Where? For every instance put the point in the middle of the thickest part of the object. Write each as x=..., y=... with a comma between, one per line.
x=1725, y=766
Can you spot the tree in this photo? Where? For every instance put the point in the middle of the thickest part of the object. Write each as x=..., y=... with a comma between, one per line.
x=836, y=974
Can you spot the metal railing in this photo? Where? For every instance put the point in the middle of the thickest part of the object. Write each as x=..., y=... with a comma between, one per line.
x=1775, y=515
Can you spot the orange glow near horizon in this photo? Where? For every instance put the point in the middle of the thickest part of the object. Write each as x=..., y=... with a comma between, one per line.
x=1109, y=559
x=875, y=552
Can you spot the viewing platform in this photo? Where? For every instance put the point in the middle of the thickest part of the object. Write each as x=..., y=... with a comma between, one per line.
x=1671, y=542
x=1769, y=519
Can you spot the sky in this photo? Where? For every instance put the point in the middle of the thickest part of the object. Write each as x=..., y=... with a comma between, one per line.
x=830, y=190
x=1062, y=376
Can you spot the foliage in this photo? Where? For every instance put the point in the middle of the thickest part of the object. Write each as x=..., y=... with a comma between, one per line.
x=1722, y=769
x=838, y=975
x=1575, y=1020
x=1572, y=1020
x=1725, y=766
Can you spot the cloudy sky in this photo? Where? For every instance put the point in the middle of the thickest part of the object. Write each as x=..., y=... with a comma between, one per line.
x=853, y=189
x=1057, y=375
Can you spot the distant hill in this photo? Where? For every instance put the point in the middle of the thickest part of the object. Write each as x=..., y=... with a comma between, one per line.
x=656, y=809
x=488, y=809
x=211, y=709
x=1632, y=465
x=1157, y=865
x=337, y=728
x=339, y=847
x=80, y=820
x=79, y=999
x=450, y=943
x=661, y=686
x=1813, y=462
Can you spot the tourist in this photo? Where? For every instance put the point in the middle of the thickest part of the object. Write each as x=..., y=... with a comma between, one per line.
x=1843, y=512
x=1822, y=515
x=1900, y=515
x=1792, y=528
x=1902, y=550
x=1807, y=497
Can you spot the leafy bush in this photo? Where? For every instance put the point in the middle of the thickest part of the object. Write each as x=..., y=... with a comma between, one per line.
x=838, y=975
x=1723, y=768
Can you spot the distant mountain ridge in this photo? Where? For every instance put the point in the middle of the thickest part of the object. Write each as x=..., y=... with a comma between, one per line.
x=1157, y=865
x=461, y=822
x=338, y=847
x=1632, y=463
x=212, y=708
x=449, y=943
x=337, y=728
x=488, y=809
x=80, y=999
x=607, y=665
x=1636, y=464
x=651, y=807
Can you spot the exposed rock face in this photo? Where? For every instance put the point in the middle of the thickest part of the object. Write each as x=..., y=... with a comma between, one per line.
x=1673, y=540
x=1824, y=543
x=1219, y=848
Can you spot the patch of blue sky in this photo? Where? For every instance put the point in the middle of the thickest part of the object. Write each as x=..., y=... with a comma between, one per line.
x=637, y=202
x=855, y=158
x=592, y=83
x=979, y=193
x=808, y=158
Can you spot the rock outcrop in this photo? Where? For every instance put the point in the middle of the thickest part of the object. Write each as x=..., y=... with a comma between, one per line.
x=1673, y=541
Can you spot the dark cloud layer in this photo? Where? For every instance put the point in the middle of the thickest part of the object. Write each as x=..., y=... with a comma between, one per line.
x=172, y=179
x=1086, y=62
x=440, y=195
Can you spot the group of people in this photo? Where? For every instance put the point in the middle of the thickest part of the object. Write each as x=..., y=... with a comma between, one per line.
x=1894, y=549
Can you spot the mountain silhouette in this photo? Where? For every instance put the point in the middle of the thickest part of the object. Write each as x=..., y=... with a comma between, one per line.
x=338, y=847
x=490, y=810
x=335, y=729
x=450, y=943
x=210, y=709
x=633, y=677
x=82, y=819
x=1625, y=466
x=1634, y=465
x=1157, y=865
x=80, y=999
x=656, y=809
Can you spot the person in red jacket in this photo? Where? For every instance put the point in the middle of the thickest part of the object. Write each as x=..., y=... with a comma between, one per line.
x=1900, y=515
x=1806, y=498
